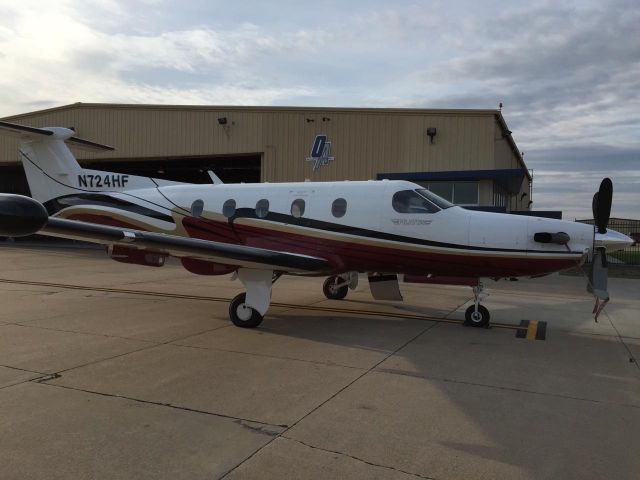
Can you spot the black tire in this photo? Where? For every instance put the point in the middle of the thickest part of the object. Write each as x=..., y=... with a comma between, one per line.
x=243, y=316
x=331, y=291
x=480, y=319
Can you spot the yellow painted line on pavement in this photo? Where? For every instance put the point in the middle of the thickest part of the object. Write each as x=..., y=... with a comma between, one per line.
x=373, y=313
x=532, y=329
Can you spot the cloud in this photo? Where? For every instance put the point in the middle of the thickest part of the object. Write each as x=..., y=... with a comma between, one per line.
x=51, y=56
x=565, y=78
x=566, y=73
x=568, y=80
x=566, y=178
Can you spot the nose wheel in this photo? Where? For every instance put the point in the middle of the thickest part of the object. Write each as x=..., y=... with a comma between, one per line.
x=477, y=315
x=477, y=318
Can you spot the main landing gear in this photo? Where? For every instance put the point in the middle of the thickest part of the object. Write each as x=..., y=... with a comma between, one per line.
x=247, y=309
x=337, y=287
x=243, y=315
x=477, y=315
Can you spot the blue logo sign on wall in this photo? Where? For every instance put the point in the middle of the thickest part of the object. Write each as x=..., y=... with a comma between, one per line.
x=320, y=152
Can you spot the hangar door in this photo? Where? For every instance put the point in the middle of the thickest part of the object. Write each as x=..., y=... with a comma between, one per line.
x=230, y=169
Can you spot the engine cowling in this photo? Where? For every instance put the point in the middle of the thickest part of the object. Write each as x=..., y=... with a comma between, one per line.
x=135, y=256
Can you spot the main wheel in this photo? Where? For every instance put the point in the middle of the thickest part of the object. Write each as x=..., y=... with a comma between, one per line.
x=242, y=315
x=480, y=318
x=332, y=291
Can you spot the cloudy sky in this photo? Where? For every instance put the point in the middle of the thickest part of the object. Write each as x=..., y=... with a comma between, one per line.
x=568, y=73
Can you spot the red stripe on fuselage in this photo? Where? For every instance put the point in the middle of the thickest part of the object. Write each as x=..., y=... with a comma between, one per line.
x=346, y=255
x=101, y=220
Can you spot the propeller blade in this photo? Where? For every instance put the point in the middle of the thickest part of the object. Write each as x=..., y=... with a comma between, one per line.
x=602, y=205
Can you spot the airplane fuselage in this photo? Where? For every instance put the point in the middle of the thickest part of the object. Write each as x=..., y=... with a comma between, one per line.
x=357, y=226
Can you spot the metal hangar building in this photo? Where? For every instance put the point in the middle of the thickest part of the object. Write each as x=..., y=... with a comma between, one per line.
x=466, y=156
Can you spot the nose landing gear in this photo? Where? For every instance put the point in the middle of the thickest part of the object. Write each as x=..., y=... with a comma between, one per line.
x=477, y=315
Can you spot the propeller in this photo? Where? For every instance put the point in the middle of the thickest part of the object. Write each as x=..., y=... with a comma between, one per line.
x=601, y=207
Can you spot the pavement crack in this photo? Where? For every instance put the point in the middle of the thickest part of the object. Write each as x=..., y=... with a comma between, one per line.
x=321, y=404
x=390, y=371
x=106, y=335
x=632, y=358
x=46, y=378
x=457, y=307
x=22, y=369
x=417, y=475
x=146, y=347
x=246, y=421
x=276, y=357
x=263, y=429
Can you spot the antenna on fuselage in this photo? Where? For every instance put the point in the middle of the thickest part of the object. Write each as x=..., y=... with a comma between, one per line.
x=214, y=178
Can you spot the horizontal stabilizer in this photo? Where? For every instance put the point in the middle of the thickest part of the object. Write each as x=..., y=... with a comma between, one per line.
x=68, y=135
x=22, y=130
x=88, y=145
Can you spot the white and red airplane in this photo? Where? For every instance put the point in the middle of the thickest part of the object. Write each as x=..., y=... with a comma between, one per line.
x=261, y=231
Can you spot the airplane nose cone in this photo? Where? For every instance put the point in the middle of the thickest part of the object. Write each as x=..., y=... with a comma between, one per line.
x=21, y=216
x=612, y=240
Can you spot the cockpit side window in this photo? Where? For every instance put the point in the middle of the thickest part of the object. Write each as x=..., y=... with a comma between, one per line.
x=433, y=198
x=408, y=201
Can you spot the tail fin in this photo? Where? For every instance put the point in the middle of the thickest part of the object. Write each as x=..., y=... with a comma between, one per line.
x=52, y=171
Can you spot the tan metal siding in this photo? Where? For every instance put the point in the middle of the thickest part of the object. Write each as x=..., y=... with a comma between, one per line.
x=485, y=192
x=365, y=142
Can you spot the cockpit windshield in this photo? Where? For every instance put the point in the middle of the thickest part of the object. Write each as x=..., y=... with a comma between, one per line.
x=432, y=197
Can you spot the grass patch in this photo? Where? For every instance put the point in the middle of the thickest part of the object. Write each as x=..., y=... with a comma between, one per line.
x=629, y=257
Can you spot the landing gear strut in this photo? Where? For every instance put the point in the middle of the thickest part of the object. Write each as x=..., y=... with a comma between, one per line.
x=247, y=309
x=477, y=315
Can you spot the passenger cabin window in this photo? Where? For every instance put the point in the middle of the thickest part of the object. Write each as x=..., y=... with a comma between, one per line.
x=262, y=208
x=297, y=207
x=409, y=201
x=339, y=207
x=197, y=208
x=229, y=208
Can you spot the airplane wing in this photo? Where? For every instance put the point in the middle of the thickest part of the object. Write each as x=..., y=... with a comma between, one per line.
x=177, y=246
x=21, y=216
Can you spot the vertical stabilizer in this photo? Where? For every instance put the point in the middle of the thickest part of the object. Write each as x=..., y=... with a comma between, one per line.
x=52, y=171
x=50, y=166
